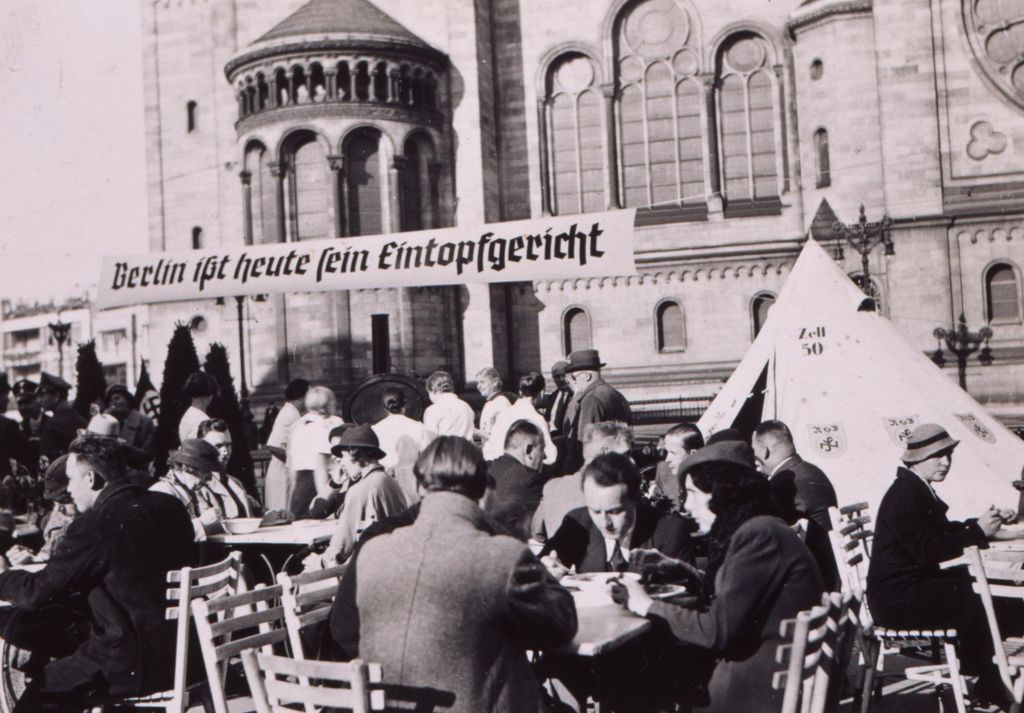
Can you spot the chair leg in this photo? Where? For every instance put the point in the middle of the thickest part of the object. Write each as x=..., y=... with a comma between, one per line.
x=954, y=674
x=871, y=659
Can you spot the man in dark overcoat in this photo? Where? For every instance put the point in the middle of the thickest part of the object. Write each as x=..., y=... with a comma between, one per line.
x=110, y=567
x=594, y=400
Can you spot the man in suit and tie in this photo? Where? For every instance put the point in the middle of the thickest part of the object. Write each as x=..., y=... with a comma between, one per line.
x=601, y=536
x=800, y=490
x=558, y=400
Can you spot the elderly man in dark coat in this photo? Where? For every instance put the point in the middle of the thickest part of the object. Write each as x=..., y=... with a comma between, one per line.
x=113, y=561
x=594, y=400
x=62, y=427
x=907, y=589
x=448, y=607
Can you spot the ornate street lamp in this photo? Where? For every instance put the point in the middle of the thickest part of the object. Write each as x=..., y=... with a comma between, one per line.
x=61, y=331
x=963, y=342
x=863, y=236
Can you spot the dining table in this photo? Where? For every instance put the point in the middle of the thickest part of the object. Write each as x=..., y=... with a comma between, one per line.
x=267, y=551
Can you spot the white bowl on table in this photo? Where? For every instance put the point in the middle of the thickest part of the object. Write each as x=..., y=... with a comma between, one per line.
x=591, y=589
x=241, y=525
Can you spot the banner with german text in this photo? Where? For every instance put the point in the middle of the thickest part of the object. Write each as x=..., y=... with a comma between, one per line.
x=588, y=245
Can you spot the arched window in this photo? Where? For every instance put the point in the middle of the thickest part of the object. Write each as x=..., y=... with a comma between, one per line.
x=670, y=327
x=659, y=109
x=263, y=212
x=191, y=116
x=575, y=136
x=419, y=210
x=576, y=330
x=363, y=183
x=821, y=162
x=1002, y=294
x=759, y=308
x=746, y=119
x=197, y=238
x=308, y=188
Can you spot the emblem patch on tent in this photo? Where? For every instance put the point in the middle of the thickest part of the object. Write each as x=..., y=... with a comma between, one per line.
x=899, y=427
x=829, y=439
x=976, y=427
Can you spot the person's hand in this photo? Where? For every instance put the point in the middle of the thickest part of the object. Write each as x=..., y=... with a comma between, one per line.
x=19, y=555
x=654, y=563
x=555, y=566
x=990, y=521
x=211, y=519
x=630, y=593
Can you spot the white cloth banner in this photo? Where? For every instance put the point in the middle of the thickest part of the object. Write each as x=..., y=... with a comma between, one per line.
x=589, y=245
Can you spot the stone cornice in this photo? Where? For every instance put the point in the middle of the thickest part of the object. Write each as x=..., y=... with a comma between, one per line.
x=342, y=48
x=817, y=12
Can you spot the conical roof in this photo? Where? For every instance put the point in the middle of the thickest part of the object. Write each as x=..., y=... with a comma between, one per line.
x=340, y=18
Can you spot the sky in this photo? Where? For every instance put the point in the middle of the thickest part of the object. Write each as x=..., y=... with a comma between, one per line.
x=72, y=152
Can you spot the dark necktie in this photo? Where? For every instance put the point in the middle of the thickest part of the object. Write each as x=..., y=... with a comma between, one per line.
x=617, y=563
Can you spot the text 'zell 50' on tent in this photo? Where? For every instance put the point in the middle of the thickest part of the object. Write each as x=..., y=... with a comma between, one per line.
x=851, y=388
x=591, y=245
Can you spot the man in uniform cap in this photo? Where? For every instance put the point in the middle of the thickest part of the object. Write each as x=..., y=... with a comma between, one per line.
x=62, y=426
x=13, y=444
x=593, y=401
x=907, y=589
x=32, y=419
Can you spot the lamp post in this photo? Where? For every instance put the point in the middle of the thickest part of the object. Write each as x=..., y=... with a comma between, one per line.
x=60, y=331
x=963, y=342
x=863, y=236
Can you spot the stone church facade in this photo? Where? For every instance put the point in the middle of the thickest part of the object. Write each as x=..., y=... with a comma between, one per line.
x=735, y=128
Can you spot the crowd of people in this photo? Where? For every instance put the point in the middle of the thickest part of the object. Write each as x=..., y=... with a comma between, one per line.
x=458, y=532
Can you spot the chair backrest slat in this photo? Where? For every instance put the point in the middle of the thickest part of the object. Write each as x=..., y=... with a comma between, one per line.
x=800, y=655
x=307, y=599
x=225, y=629
x=278, y=674
x=986, y=591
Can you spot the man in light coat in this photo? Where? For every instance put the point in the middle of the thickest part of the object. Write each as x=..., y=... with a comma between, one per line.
x=448, y=607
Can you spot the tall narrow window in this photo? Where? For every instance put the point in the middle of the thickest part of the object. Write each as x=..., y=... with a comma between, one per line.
x=821, y=159
x=380, y=341
x=576, y=330
x=191, y=116
x=1002, y=293
x=659, y=108
x=759, y=310
x=362, y=182
x=746, y=119
x=310, y=189
x=197, y=238
x=264, y=227
x=670, y=327
x=575, y=143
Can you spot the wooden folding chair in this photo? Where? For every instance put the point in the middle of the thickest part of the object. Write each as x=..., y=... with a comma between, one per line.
x=185, y=586
x=999, y=573
x=235, y=626
x=799, y=654
x=306, y=601
x=834, y=656
x=343, y=686
x=851, y=545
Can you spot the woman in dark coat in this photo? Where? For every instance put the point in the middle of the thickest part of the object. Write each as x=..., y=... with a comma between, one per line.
x=759, y=574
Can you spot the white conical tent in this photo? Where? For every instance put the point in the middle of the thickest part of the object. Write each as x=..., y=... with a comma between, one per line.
x=851, y=387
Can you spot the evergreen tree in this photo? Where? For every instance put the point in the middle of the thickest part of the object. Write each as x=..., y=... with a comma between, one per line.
x=91, y=383
x=182, y=361
x=226, y=406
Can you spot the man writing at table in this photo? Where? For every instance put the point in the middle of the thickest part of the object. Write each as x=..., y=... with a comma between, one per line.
x=98, y=606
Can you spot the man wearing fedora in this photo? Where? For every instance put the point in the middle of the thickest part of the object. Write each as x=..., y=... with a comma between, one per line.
x=136, y=432
x=906, y=587
x=372, y=493
x=62, y=426
x=594, y=400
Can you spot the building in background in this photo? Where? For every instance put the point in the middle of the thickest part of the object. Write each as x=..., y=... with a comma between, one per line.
x=735, y=128
x=29, y=346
